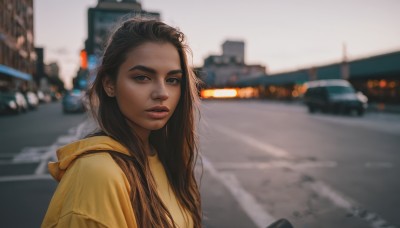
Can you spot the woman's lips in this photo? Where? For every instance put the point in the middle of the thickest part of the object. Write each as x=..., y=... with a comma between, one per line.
x=157, y=115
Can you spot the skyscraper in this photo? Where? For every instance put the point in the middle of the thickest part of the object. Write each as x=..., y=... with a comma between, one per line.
x=17, y=53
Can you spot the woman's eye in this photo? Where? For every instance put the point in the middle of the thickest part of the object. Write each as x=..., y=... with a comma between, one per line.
x=141, y=78
x=174, y=81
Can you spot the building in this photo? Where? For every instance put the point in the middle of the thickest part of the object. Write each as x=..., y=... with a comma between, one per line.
x=47, y=76
x=17, y=53
x=226, y=69
x=52, y=70
x=234, y=49
x=40, y=75
x=102, y=20
x=104, y=17
x=378, y=77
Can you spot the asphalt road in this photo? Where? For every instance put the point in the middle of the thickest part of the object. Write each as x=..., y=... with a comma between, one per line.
x=261, y=161
x=24, y=196
x=315, y=170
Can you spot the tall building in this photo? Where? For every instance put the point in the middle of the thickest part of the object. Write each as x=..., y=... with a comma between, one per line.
x=17, y=53
x=104, y=17
x=40, y=75
x=52, y=70
x=224, y=70
x=102, y=21
x=234, y=49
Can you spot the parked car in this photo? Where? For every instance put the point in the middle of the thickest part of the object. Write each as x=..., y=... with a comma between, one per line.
x=336, y=95
x=32, y=100
x=55, y=96
x=7, y=103
x=73, y=101
x=43, y=97
x=12, y=102
x=21, y=102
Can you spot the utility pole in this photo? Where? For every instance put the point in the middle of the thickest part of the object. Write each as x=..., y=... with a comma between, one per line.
x=345, y=65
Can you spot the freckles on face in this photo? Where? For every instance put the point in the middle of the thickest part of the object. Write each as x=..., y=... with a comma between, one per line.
x=148, y=86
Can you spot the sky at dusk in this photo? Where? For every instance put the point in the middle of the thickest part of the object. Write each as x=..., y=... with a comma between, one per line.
x=283, y=35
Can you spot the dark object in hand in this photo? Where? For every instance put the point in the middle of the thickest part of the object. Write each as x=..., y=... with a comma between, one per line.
x=281, y=223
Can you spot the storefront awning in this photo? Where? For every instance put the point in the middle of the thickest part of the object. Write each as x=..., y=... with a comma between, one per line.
x=14, y=73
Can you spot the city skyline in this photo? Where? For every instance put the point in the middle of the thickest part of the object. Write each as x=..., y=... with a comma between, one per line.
x=280, y=35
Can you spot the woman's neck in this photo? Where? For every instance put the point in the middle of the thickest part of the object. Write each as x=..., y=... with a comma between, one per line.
x=148, y=148
x=143, y=135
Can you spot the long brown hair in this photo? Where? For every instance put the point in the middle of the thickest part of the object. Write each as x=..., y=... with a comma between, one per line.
x=176, y=142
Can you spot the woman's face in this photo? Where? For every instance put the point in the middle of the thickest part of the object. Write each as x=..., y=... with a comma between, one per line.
x=148, y=85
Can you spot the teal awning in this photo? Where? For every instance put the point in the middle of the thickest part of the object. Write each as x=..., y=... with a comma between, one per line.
x=385, y=65
x=14, y=73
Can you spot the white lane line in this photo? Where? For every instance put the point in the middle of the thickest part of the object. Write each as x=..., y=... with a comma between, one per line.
x=42, y=155
x=378, y=165
x=6, y=155
x=65, y=139
x=51, y=152
x=25, y=178
x=376, y=124
x=41, y=169
x=275, y=164
x=253, y=209
x=324, y=190
x=17, y=162
x=30, y=153
x=348, y=204
x=80, y=129
x=265, y=147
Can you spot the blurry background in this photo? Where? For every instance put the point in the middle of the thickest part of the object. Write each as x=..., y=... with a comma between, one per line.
x=300, y=104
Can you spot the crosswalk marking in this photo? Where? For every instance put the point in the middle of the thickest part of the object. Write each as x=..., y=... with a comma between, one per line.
x=25, y=178
x=51, y=153
x=42, y=155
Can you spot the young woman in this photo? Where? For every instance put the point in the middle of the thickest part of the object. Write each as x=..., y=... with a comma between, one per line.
x=138, y=169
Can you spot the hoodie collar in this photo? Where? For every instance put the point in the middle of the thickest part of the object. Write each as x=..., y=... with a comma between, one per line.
x=68, y=153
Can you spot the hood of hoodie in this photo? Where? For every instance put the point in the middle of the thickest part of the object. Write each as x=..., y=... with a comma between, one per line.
x=69, y=153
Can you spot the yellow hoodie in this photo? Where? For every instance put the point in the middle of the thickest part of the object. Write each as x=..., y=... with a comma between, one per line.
x=93, y=191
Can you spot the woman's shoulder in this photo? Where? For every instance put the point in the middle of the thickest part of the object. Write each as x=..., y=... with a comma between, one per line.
x=98, y=168
x=99, y=162
x=91, y=186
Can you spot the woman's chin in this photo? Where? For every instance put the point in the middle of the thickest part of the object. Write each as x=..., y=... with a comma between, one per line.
x=155, y=127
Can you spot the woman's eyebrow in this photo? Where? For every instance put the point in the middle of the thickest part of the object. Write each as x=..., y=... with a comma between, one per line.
x=143, y=68
x=153, y=71
x=172, y=72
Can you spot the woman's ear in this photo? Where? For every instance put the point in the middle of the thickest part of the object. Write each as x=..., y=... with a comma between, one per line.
x=109, y=86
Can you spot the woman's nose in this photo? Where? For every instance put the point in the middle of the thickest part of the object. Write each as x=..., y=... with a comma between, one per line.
x=160, y=92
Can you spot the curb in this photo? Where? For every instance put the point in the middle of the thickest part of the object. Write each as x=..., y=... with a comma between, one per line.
x=382, y=107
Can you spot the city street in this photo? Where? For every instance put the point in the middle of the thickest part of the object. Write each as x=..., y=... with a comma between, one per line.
x=316, y=170
x=261, y=161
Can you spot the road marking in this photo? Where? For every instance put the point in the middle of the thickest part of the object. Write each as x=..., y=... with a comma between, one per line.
x=320, y=188
x=51, y=152
x=253, y=209
x=30, y=154
x=391, y=126
x=265, y=147
x=6, y=155
x=25, y=178
x=347, y=204
x=41, y=169
x=275, y=164
x=17, y=162
x=65, y=139
x=378, y=165
x=42, y=155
